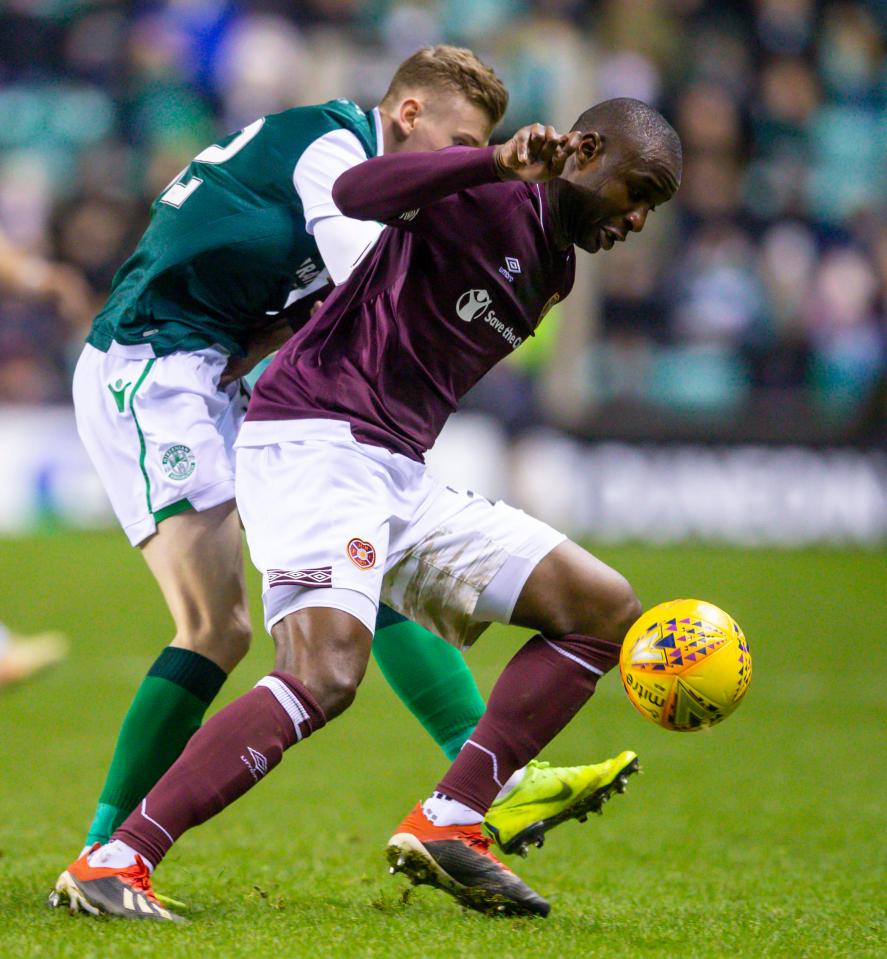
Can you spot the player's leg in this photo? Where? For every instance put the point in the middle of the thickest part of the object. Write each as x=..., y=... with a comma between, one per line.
x=197, y=561
x=535, y=579
x=431, y=679
x=159, y=431
x=547, y=796
x=301, y=504
x=322, y=655
x=582, y=609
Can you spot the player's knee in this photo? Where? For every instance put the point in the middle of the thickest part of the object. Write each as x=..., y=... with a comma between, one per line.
x=625, y=608
x=608, y=617
x=238, y=635
x=224, y=640
x=339, y=693
x=333, y=684
x=328, y=650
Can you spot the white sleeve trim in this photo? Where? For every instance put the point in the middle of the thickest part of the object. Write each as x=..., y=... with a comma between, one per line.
x=376, y=114
x=344, y=242
x=319, y=167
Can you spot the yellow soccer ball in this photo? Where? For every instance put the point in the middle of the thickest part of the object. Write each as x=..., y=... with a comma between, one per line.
x=685, y=664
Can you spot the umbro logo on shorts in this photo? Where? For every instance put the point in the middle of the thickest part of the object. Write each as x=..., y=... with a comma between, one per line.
x=301, y=577
x=362, y=554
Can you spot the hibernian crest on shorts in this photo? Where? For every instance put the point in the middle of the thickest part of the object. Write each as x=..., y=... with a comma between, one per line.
x=179, y=462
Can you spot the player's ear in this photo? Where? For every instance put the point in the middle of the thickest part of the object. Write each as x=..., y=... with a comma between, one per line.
x=407, y=114
x=590, y=147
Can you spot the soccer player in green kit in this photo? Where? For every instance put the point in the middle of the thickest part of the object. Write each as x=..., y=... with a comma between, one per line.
x=239, y=248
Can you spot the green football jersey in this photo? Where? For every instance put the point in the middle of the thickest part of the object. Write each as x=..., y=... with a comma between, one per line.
x=227, y=241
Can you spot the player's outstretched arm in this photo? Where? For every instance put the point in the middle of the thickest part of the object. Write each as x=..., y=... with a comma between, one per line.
x=31, y=276
x=383, y=188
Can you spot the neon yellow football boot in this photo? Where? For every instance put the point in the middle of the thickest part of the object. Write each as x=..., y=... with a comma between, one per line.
x=549, y=795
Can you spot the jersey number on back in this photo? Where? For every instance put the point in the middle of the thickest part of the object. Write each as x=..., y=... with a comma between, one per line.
x=179, y=191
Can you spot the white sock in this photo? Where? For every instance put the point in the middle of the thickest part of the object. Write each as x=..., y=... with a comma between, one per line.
x=116, y=855
x=510, y=783
x=443, y=811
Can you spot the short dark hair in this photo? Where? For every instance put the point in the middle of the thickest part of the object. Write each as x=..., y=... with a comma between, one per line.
x=635, y=122
x=456, y=69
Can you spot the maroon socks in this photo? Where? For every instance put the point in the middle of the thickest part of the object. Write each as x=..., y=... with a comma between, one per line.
x=538, y=693
x=225, y=758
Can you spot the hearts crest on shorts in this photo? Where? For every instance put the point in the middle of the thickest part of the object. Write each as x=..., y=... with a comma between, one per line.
x=362, y=553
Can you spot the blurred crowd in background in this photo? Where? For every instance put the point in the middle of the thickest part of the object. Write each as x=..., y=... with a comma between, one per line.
x=754, y=302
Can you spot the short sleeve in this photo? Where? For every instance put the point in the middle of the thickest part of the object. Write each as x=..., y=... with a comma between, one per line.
x=318, y=169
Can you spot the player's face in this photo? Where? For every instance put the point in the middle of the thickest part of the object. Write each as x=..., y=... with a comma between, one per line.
x=613, y=195
x=445, y=120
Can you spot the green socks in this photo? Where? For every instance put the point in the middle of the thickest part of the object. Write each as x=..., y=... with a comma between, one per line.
x=166, y=711
x=430, y=677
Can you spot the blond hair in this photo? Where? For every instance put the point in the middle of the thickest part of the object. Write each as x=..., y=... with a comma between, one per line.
x=455, y=69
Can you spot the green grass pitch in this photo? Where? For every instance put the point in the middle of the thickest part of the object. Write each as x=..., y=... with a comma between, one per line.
x=762, y=837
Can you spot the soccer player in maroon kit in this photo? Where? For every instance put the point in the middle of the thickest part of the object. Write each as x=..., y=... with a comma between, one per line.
x=339, y=508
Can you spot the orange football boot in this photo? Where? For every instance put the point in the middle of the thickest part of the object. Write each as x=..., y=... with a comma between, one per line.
x=115, y=892
x=457, y=859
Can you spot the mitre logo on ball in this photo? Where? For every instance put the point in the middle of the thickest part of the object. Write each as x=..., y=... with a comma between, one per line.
x=473, y=304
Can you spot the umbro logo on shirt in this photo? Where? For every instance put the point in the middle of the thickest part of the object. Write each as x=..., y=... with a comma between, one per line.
x=511, y=268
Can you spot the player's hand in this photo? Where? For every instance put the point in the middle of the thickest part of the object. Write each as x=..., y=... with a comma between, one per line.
x=72, y=295
x=535, y=153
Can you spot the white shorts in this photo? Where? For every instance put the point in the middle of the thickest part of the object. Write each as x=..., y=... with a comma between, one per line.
x=159, y=431
x=333, y=522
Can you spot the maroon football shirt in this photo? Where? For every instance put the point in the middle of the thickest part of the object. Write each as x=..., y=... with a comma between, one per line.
x=462, y=278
